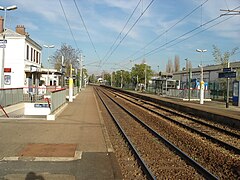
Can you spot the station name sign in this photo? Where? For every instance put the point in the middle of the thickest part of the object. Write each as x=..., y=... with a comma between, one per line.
x=41, y=105
x=227, y=74
x=3, y=43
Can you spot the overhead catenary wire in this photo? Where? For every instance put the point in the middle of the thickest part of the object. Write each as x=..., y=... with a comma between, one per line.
x=128, y=32
x=110, y=49
x=70, y=29
x=86, y=29
x=171, y=27
x=175, y=39
x=200, y=32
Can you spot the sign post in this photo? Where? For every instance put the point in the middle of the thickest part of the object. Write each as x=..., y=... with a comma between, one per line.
x=227, y=73
x=3, y=43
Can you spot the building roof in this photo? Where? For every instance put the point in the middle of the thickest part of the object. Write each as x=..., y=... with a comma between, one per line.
x=13, y=34
x=217, y=67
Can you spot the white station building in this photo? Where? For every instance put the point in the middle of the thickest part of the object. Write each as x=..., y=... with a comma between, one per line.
x=22, y=58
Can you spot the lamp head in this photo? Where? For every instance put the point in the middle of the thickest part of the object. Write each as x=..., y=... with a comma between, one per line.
x=13, y=7
x=50, y=46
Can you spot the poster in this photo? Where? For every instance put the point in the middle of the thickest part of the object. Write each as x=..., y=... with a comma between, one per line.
x=7, y=79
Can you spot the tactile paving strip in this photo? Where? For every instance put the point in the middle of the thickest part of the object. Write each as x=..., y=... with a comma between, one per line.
x=48, y=150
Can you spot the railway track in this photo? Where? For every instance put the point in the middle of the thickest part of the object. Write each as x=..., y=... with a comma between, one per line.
x=221, y=162
x=229, y=139
x=164, y=159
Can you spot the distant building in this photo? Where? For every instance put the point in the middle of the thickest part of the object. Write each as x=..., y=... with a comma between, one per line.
x=210, y=74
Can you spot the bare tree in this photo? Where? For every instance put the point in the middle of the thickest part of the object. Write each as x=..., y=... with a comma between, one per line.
x=70, y=54
x=220, y=58
x=169, y=66
x=176, y=63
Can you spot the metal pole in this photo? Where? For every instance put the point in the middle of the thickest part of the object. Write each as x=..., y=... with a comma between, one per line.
x=201, y=87
x=111, y=78
x=145, y=79
x=188, y=78
x=189, y=84
x=201, y=77
x=48, y=80
x=80, y=75
x=3, y=52
x=121, y=79
x=5, y=9
x=227, y=100
x=70, y=85
x=62, y=76
x=48, y=46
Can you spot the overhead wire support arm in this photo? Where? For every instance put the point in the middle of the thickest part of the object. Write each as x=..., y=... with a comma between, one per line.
x=230, y=12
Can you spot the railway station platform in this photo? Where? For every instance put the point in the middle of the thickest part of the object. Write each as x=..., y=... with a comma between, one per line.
x=215, y=107
x=74, y=146
x=214, y=110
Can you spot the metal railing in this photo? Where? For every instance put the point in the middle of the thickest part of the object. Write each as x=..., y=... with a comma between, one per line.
x=75, y=91
x=184, y=93
x=58, y=98
x=11, y=96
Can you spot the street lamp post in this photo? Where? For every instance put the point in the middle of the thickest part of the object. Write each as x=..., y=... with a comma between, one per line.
x=121, y=79
x=145, y=77
x=5, y=9
x=227, y=100
x=188, y=77
x=201, y=77
x=48, y=46
x=80, y=75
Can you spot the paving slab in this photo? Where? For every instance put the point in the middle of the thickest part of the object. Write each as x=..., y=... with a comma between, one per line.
x=75, y=145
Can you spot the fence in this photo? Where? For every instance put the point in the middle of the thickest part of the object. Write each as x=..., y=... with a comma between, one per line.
x=11, y=96
x=184, y=93
x=58, y=98
x=75, y=91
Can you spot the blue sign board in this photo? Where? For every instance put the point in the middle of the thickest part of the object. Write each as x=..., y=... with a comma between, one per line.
x=41, y=105
x=227, y=69
x=228, y=74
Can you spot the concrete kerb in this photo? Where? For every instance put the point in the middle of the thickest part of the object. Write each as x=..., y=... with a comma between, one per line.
x=12, y=108
x=53, y=116
x=20, y=106
x=196, y=99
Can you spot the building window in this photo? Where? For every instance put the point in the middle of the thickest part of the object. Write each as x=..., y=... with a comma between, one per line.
x=37, y=57
x=34, y=55
x=31, y=54
x=27, y=52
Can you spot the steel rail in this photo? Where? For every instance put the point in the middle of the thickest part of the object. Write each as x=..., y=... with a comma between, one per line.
x=182, y=115
x=171, y=146
x=222, y=143
x=137, y=155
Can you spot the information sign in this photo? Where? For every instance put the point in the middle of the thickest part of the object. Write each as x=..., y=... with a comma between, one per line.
x=227, y=69
x=3, y=43
x=41, y=105
x=230, y=74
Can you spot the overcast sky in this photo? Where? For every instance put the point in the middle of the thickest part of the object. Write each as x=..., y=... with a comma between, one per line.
x=154, y=34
